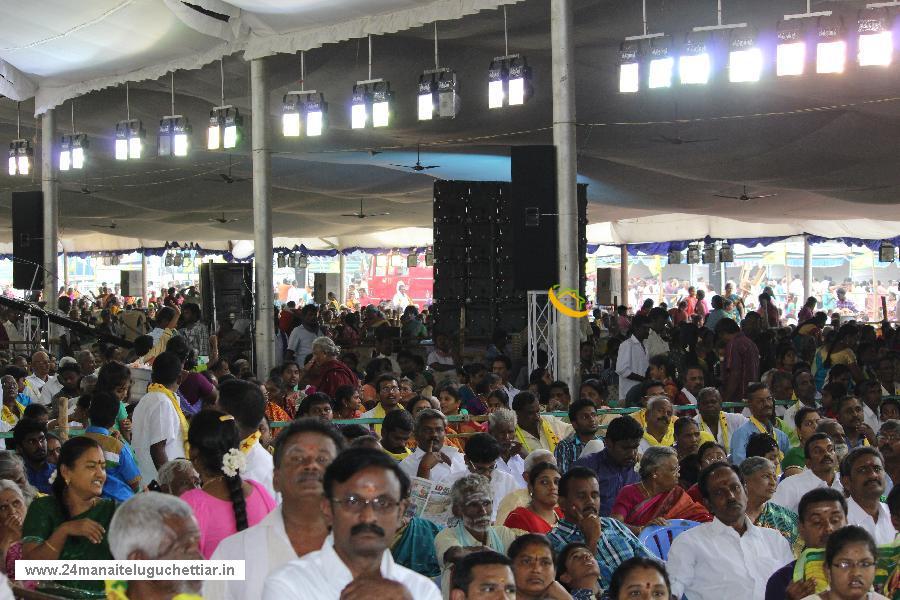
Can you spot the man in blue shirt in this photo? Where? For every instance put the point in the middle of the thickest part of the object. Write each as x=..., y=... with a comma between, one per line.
x=613, y=543
x=123, y=478
x=614, y=465
x=762, y=420
x=583, y=417
x=30, y=440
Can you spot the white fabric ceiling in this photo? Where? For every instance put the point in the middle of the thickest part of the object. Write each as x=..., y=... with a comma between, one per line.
x=652, y=161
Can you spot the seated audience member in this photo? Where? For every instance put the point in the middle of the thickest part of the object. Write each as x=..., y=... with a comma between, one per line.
x=413, y=546
x=533, y=569
x=451, y=403
x=762, y=419
x=30, y=441
x=72, y=522
x=123, y=479
x=862, y=475
x=484, y=574
x=822, y=512
x=316, y=405
x=502, y=426
x=577, y=570
x=614, y=465
x=559, y=397
x=806, y=420
x=325, y=372
x=177, y=476
x=658, y=428
x=821, y=465
x=688, y=437
x=714, y=420
x=851, y=416
x=849, y=565
x=12, y=408
x=154, y=526
x=612, y=542
x=115, y=378
x=396, y=430
x=640, y=578
x=296, y=527
x=762, y=444
x=54, y=445
x=471, y=504
x=346, y=402
x=521, y=496
x=835, y=431
x=224, y=503
x=889, y=445
x=245, y=402
x=728, y=557
x=533, y=430
x=388, y=396
x=277, y=392
x=583, y=417
x=542, y=513
x=13, y=468
x=159, y=429
x=759, y=480
x=365, y=498
x=482, y=452
x=432, y=459
x=13, y=507
x=657, y=497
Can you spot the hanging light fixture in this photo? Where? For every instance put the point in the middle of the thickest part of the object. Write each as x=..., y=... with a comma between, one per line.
x=695, y=62
x=130, y=134
x=371, y=102
x=790, y=55
x=745, y=59
x=693, y=254
x=20, y=151
x=726, y=253
x=303, y=106
x=831, y=48
x=675, y=257
x=438, y=90
x=631, y=54
x=662, y=63
x=709, y=253
x=226, y=125
x=429, y=257
x=72, y=147
x=281, y=260
x=509, y=76
x=887, y=252
x=174, y=131
x=876, y=39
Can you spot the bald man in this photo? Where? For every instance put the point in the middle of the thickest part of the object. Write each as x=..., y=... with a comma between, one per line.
x=40, y=374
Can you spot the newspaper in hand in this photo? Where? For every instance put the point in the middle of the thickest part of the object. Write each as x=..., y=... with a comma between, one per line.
x=430, y=500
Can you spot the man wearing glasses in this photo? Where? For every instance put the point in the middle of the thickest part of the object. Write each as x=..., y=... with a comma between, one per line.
x=432, y=459
x=365, y=498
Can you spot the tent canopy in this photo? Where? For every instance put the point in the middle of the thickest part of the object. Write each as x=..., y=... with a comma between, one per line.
x=652, y=160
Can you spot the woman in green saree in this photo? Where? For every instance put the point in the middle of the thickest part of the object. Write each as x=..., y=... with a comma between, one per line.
x=71, y=523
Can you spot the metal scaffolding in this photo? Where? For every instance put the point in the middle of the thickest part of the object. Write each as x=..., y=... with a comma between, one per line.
x=543, y=331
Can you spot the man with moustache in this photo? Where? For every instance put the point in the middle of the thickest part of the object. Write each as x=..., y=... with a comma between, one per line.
x=820, y=472
x=851, y=416
x=303, y=450
x=729, y=557
x=889, y=445
x=432, y=459
x=365, y=498
x=862, y=475
x=762, y=419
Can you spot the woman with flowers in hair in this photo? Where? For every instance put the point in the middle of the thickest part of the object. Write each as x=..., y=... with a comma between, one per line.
x=224, y=503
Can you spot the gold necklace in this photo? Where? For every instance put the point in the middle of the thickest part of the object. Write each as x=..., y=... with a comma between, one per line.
x=209, y=481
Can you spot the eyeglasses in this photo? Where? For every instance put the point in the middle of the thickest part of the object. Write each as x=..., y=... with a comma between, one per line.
x=356, y=504
x=485, y=470
x=845, y=565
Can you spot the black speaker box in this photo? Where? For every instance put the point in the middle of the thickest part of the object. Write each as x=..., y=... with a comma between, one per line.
x=228, y=287
x=28, y=240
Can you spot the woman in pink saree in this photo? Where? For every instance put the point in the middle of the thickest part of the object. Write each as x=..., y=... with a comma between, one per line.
x=658, y=497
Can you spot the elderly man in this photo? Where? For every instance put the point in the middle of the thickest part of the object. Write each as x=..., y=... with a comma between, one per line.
x=365, y=498
x=481, y=576
x=40, y=374
x=762, y=420
x=177, y=476
x=245, y=402
x=614, y=465
x=432, y=459
x=659, y=427
x=502, y=426
x=729, y=557
x=482, y=454
x=388, y=399
x=713, y=420
x=820, y=472
x=822, y=511
x=303, y=450
x=862, y=475
x=154, y=526
x=534, y=431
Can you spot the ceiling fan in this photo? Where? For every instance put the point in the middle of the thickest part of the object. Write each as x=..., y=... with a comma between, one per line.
x=112, y=225
x=744, y=197
x=362, y=215
x=418, y=166
x=678, y=140
x=222, y=219
x=226, y=177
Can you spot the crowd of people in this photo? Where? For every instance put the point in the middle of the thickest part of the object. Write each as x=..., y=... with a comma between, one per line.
x=744, y=460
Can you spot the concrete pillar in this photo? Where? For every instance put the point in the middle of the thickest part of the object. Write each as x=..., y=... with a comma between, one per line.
x=342, y=286
x=807, y=271
x=50, y=187
x=145, y=294
x=623, y=275
x=563, y=75
x=262, y=217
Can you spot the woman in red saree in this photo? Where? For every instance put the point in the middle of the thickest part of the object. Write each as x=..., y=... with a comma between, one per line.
x=658, y=497
x=542, y=513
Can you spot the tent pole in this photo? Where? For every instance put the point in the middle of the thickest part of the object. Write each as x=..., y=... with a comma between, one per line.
x=563, y=74
x=145, y=294
x=262, y=217
x=66, y=270
x=807, y=270
x=50, y=188
x=342, y=286
x=623, y=275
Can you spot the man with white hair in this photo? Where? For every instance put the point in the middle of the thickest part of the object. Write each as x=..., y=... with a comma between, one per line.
x=177, y=476
x=502, y=426
x=154, y=526
x=521, y=497
x=40, y=375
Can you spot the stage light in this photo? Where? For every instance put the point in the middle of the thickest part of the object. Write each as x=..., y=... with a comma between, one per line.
x=831, y=50
x=429, y=258
x=234, y=127
x=71, y=151
x=426, y=96
x=290, y=117
x=129, y=139
x=694, y=64
x=316, y=108
x=20, y=157
x=225, y=128
x=303, y=106
x=745, y=59
x=281, y=261
x=496, y=82
x=519, y=86
x=213, y=132
x=65, y=154
x=174, y=136
x=726, y=253
x=381, y=104
x=359, y=111
x=693, y=254
x=790, y=55
x=437, y=94
x=709, y=254
x=629, y=68
x=448, y=94
x=886, y=252
x=675, y=257
x=662, y=65
x=876, y=40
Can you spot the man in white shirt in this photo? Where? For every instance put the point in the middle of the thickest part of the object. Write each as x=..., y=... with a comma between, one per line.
x=633, y=360
x=158, y=428
x=300, y=343
x=482, y=453
x=245, y=402
x=729, y=557
x=40, y=374
x=656, y=345
x=400, y=300
x=432, y=459
x=712, y=419
x=535, y=431
x=501, y=366
x=821, y=462
x=365, y=498
x=303, y=450
x=862, y=474
x=502, y=426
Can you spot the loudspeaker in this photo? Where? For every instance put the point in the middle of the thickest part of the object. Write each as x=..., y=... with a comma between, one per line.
x=28, y=240
x=324, y=283
x=608, y=286
x=227, y=289
x=534, y=220
x=132, y=284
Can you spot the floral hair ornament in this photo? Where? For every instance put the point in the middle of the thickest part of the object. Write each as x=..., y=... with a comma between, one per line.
x=233, y=462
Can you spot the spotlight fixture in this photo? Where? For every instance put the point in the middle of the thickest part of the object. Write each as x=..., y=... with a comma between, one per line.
x=831, y=48
x=662, y=64
x=745, y=58
x=302, y=261
x=281, y=261
x=412, y=260
x=129, y=144
x=292, y=261
x=709, y=253
x=168, y=261
x=20, y=150
x=381, y=103
x=876, y=39
x=695, y=64
x=359, y=110
x=790, y=55
x=303, y=106
x=693, y=254
x=726, y=253
x=886, y=252
x=676, y=257
x=496, y=87
x=71, y=151
x=509, y=76
x=429, y=257
x=629, y=68
x=225, y=129
x=174, y=131
x=438, y=89
x=371, y=101
x=178, y=259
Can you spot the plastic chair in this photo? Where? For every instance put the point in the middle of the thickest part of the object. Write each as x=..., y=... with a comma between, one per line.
x=658, y=538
